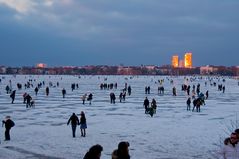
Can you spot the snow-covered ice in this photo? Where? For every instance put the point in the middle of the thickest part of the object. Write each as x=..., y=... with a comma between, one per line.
x=172, y=133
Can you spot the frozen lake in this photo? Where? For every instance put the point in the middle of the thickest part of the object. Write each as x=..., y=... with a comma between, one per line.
x=172, y=133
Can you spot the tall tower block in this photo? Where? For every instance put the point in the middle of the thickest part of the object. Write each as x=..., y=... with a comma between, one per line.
x=175, y=61
x=188, y=60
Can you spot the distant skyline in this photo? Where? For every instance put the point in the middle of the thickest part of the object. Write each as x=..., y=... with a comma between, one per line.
x=104, y=32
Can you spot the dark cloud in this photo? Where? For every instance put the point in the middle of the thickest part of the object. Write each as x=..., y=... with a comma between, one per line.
x=114, y=32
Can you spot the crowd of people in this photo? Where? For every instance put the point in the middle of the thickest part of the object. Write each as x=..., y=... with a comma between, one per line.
x=229, y=151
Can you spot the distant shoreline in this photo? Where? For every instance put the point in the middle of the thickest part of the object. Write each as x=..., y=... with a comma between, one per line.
x=123, y=70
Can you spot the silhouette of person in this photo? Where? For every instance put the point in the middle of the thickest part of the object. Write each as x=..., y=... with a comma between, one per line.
x=8, y=125
x=13, y=94
x=83, y=124
x=74, y=122
x=94, y=152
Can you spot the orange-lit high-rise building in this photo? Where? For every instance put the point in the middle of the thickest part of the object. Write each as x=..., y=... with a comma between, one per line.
x=175, y=61
x=188, y=60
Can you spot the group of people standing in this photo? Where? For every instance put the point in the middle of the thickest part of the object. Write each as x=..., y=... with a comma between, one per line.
x=151, y=110
x=89, y=98
x=197, y=102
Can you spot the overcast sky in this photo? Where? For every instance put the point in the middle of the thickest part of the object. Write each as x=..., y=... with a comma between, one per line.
x=110, y=32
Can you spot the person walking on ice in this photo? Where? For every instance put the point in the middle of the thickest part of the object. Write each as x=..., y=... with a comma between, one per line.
x=13, y=94
x=8, y=125
x=83, y=124
x=63, y=91
x=74, y=122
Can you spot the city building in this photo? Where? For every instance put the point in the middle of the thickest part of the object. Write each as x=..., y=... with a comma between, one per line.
x=206, y=70
x=181, y=63
x=235, y=70
x=175, y=61
x=2, y=69
x=188, y=60
x=41, y=65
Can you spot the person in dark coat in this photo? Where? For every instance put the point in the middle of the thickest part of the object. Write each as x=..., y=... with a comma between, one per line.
x=74, y=122
x=122, y=152
x=129, y=90
x=121, y=96
x=94, y=152
x=47, y=91
x=8, y=125
x=28, y=99
x=63, y=92
x=146, y=105
x=112, y=98
x=188, y=90
x=154, y=105
x=194, y=103
x=188, y=103
x=36, y=90
x=198, y=105
x=148, y=89
x=207, y=94
x=13, y=94
x=174, y=91
x=223, y=89
x=8, y=89
x=83, y=124
x=90, y=97
x=24, y=97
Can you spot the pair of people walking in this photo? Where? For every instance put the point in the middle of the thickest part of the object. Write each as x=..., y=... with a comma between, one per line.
x=74, y=120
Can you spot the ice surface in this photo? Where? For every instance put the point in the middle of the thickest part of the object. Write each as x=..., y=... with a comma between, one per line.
x=172, y=133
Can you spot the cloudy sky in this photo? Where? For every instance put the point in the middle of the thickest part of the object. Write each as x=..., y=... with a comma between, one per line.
x=129, y=32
